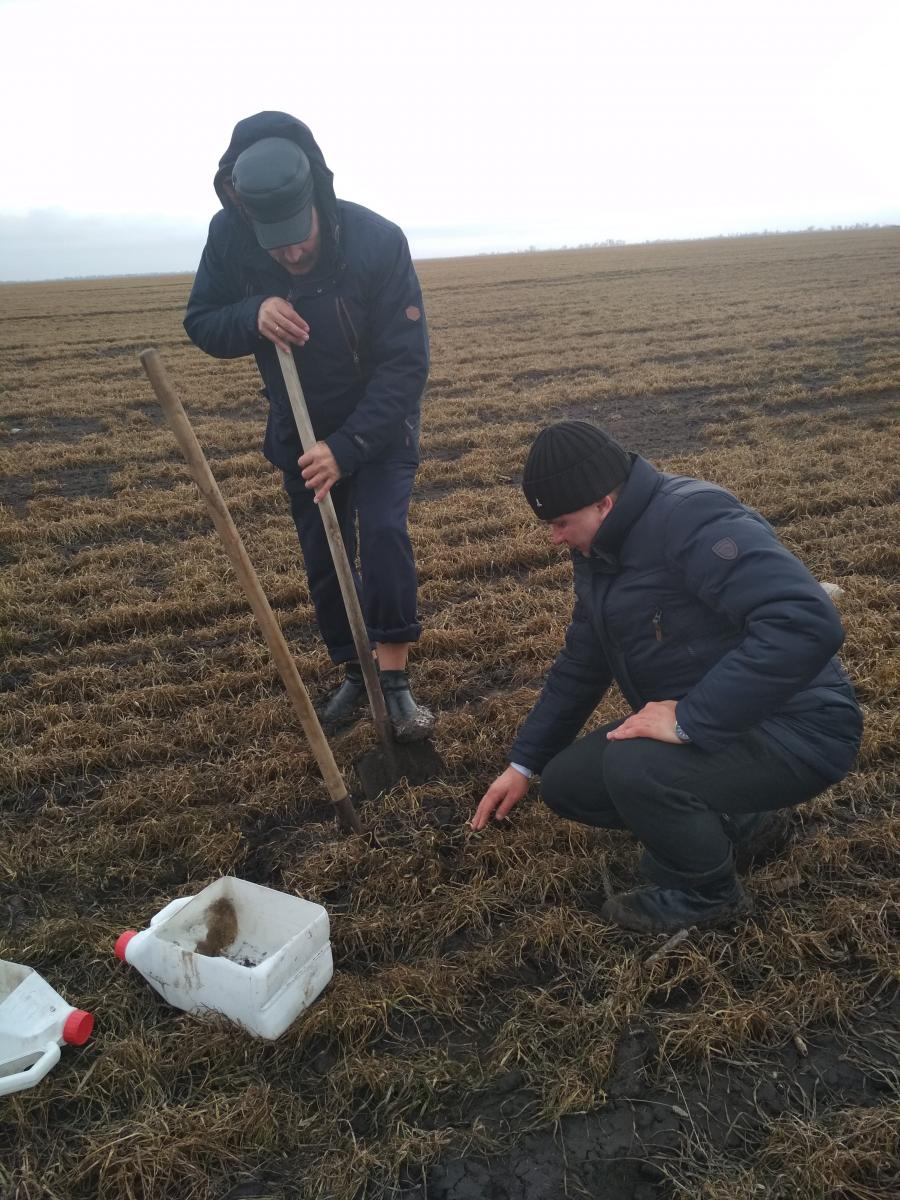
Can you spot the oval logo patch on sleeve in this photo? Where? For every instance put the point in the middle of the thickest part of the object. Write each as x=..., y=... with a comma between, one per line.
x=725, y=548
x=413, y=313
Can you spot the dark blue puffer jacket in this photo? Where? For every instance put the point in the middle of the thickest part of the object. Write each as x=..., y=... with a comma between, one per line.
x=688, y=595
x=364, y=368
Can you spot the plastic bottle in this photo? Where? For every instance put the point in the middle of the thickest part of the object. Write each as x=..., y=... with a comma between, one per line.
x=34, y=1022
x=255, y=955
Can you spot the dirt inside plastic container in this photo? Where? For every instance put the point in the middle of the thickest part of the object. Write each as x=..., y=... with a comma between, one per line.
x=221, y=928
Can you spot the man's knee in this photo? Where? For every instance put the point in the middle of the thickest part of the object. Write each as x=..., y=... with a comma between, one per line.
x=627, y=767
x=571, y=785
x=386, y=556
x=385, y=538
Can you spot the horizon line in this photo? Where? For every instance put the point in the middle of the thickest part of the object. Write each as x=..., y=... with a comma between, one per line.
x=605, y=244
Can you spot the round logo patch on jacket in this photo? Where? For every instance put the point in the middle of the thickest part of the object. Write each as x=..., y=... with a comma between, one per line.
x=726, y=548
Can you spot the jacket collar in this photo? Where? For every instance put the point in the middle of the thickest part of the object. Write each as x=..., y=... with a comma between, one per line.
x=636, y=493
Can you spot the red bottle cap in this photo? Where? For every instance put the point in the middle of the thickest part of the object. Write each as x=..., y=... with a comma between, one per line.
x=122, y=941
x=78, y=1027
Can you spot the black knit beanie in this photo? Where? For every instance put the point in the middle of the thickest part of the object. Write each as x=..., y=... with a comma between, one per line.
x=572, y=464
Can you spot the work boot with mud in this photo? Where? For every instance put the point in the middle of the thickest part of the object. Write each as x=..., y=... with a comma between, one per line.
x=344, y=703
x=757, y=837
x=411, y=722
x=666, y=910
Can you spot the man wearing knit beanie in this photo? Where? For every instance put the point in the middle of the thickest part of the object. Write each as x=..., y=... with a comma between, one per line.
x=723, y=646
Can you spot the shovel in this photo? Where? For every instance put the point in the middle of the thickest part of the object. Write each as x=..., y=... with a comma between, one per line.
x=419, y=761
x=342, y=568
x=347, y=818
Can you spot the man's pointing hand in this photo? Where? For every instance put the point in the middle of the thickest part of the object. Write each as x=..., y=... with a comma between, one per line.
x=503, y=795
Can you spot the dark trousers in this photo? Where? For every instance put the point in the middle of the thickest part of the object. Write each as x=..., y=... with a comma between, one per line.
x=376, y=500
x=670, y=796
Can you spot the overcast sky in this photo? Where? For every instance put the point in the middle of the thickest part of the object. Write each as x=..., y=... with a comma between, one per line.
x=484, y=126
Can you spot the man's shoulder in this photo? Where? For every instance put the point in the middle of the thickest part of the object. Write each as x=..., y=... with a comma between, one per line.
x=224, y=229
x=683, y=506
x=695, y=494
x=367, y=227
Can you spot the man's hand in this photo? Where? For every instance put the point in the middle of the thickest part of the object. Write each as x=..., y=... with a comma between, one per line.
x=503, y=795
x=320, y=470
x=278, y=322
x=655, y=720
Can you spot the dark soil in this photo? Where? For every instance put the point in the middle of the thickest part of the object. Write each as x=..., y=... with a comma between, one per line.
x=49, y=428
x=416, y=762
x=641, y=423
x=71, y=483
x=627, y=1149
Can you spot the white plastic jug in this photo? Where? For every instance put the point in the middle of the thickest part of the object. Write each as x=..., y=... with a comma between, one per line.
x=255, y=955
x=34, y=1022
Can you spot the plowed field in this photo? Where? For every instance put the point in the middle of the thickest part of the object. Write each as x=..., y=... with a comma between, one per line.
x=486, y=1034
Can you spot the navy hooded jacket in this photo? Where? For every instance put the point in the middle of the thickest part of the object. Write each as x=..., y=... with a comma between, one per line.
x=364, y=367
x=688, y=595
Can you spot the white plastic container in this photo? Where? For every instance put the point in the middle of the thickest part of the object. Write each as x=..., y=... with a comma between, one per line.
x=257, y=956
x=34, y=1022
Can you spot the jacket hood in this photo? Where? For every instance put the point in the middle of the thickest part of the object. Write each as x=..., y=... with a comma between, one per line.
x=283, y=125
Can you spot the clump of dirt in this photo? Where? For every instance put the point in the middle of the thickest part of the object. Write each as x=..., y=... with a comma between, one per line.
x=417, y=762
x=221, y=928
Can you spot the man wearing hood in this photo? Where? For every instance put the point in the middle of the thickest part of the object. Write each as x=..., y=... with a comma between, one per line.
x=288, y=265
x=723, y=645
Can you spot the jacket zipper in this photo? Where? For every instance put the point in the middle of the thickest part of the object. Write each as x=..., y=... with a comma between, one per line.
x=615, y=655
x=657, y=624
x=352, y=341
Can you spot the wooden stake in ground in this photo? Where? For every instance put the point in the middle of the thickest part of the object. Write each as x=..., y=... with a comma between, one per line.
x=342, y=568
x=347, y=817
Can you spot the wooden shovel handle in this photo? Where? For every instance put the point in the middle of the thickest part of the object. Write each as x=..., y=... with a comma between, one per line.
x=342, y=570
x=268, y=623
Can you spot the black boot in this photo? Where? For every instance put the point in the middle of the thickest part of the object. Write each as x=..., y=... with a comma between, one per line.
x=757, y=837
x=411, y=722
x=666, y=910
x=343, y=703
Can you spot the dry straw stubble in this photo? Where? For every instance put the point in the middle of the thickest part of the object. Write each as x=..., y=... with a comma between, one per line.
x=149, y=747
